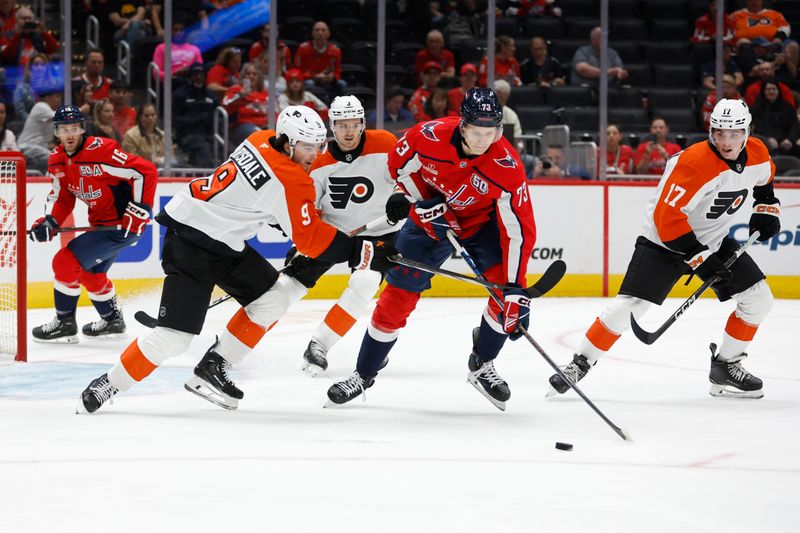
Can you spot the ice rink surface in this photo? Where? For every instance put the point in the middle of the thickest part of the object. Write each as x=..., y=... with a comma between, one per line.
x=425, y=452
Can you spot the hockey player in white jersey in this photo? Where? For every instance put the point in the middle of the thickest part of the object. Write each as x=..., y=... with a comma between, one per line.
x=264, y=181
x=353, y=188
x=686, y=230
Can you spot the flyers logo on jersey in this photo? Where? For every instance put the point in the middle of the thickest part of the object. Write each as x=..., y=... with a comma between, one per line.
x=345, y=189
x=427, y=130
x=727, y=202
x=507, y=161
x=250, y=165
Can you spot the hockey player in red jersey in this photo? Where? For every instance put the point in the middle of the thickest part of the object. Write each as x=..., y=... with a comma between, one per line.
x=118, y=189
x=462, y=176
x=686, y=230
x=264, y=181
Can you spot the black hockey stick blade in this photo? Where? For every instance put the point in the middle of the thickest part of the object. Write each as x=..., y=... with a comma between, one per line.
x=145, y=319
x=548, y=279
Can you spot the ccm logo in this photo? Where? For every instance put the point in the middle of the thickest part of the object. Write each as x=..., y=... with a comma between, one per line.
x=426, y=215
x=769, y=209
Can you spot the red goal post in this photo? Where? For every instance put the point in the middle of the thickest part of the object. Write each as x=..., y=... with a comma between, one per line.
x=13, y=257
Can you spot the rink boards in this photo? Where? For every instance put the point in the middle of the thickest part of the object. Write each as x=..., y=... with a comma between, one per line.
x=591, y=226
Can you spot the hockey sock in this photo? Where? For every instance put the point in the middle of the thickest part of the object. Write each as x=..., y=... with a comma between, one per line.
x=351, y=304
x=66, y=299
x=145, y=354
x=738, y=335
x=67, y=287
x=374, y=350
x=490, y=340
x=101, y=292
x=241, y=335
x=597, y=341
x=752, y=307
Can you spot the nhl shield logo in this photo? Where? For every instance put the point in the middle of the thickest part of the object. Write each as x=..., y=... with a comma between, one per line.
x=462, y=164
x=479, y=184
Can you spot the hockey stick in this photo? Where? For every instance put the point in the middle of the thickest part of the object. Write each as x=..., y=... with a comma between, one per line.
x=151, y=322
x=71, y=228
x=547, y=281
x=649, y=338
x=624, y=435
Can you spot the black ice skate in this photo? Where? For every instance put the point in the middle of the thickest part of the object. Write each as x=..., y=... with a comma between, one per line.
x=110, y=328
x=575, y=371
x=96, y=394
x=483, y=376
x=211, y=382
x=730, y=379
x=315, y=360
x=58, y=330
x=352, y=387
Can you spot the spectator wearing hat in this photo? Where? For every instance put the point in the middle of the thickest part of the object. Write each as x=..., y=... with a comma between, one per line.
x=541, y=68
x=393, y=110
x=586, y=63
x=183, y=53
x=468, y=78
x=93, y=74
x=435, y=51
x=320, y=61
x=225, y=72
x=431, y=75
x=36, y=139
x=193, y=108
x=124, y=115
x=760, y=51
x=506, y=66
x=728, y=91
x=754, y=21
x=705, y=27
x=729, y=65
x=296, y=94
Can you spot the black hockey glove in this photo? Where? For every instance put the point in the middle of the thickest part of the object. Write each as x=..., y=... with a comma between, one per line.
x=373, y=255
x=44, y=229
x=766, y=218
x=516, y=311
x=290, y=255
x=706, y=265
x=397, y=208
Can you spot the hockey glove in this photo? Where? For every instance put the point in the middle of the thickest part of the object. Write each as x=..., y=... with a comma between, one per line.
x=706, y=265
x=766, y=218
x=373, y=255
x=435, y=218
x=135, y=218
x=397, y=208
x=516, y=311
x=44, y=229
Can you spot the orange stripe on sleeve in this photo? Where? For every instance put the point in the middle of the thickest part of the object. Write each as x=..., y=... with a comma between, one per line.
x=739, y=329
x=600, y=336
x=244, y=329
x=136, y=364
x=339, y=320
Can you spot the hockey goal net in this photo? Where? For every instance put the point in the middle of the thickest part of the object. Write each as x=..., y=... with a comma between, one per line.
x=13, y=261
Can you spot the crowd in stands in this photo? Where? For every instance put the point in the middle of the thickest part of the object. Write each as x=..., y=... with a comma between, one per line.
x=661, y=72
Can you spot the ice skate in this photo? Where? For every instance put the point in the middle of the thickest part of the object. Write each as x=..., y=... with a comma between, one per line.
x=575, y=371
x=730, y=379
x=95, y=395
x=111, y=328
x=315, y=360
x=484, y=377
x=211, y=381
x=58, y=330
x=352, y=387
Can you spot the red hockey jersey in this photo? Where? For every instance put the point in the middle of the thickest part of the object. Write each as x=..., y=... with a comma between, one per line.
x=429, y=161
x=101, y=175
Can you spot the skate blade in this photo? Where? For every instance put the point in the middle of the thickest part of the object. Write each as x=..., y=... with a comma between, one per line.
x=551, y=393
x=497, y=403
x=107, y=336
x=80, y=409
x=312, y=370
x=200, y=388
x=72, y=339
x=725, y=391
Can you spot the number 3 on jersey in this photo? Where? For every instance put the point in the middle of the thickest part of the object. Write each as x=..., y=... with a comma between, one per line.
x=206, y=188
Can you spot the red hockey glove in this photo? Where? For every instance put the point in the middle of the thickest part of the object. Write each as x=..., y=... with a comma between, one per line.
x=435, y=218
x=135, y=218
x=516, y=311
x=44, y=229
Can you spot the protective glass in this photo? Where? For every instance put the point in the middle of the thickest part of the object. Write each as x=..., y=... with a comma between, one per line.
x=478, y=138
x=728, y=136
x=68, y=129
x=303, y=148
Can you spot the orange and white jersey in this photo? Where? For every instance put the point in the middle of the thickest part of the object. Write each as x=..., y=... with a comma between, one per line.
x=352, y=187
x=700, y=192
x=257, y=185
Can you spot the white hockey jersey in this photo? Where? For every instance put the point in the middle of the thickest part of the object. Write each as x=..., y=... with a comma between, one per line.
x=700, y=192
x=256, y=186
x=352, y=187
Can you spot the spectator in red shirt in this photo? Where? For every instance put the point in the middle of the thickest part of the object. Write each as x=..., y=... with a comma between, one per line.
x=431, y=75
x=30, y=38
x=124, y=115
x=469, y=77
x=296, y=95
x=766, y=72
x=437, y=105
x=435, y=51
x=225, y=73
x=705, y=27
x=619, y=157
x=8, y=21
x=506, y=66
x=651, y=156
x=321, y=61
x=93, y=74
x=259, y=47
x=728, y=91
x=246, y=104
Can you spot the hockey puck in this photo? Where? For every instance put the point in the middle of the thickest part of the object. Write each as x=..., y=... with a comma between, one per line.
x=566, y=446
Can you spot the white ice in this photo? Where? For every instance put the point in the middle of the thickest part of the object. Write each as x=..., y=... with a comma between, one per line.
x=425, y=452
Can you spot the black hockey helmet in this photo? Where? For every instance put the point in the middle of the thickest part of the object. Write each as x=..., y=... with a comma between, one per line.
x=69, y=114
x=481, y=107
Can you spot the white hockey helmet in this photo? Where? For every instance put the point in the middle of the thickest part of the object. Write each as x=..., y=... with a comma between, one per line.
x=301, y=123
x=730, y=114
x=344, y=107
